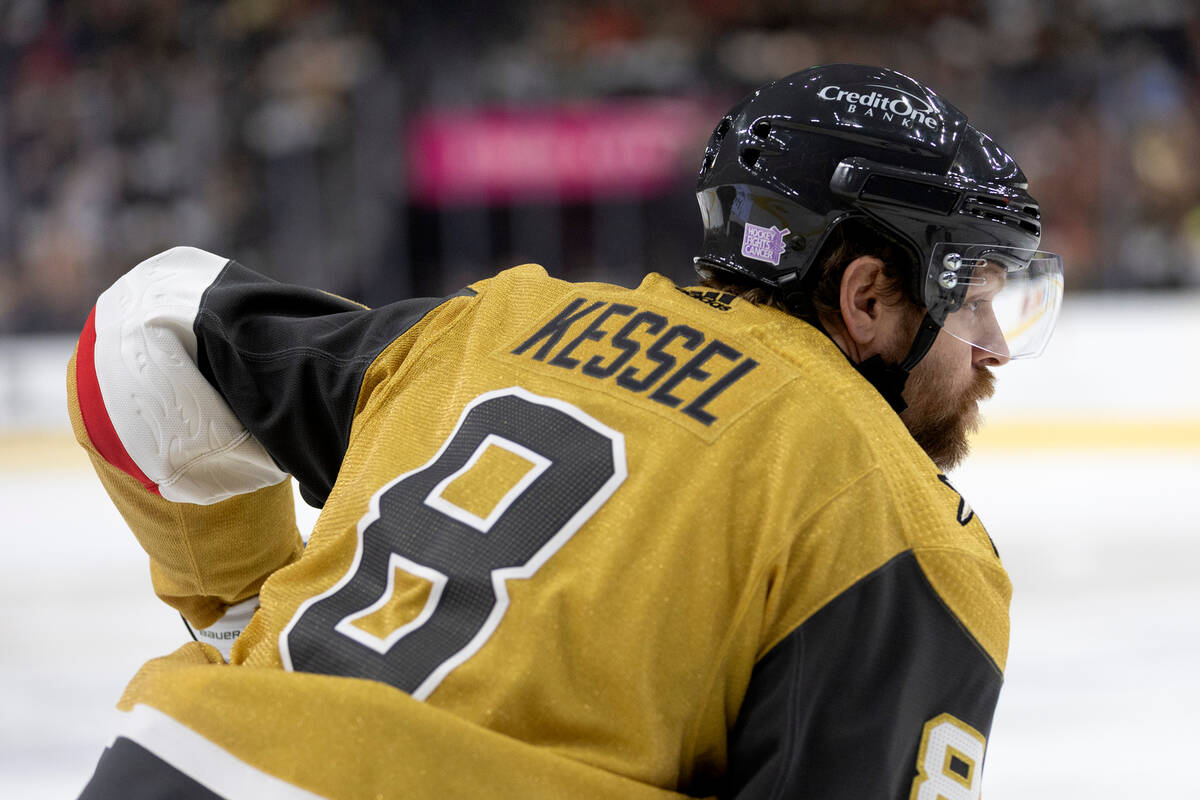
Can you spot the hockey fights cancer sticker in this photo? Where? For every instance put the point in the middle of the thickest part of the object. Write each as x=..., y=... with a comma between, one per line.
x=887, y=103
x=763, y=244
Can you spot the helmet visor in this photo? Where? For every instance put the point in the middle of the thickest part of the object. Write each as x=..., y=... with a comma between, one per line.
x=1004, y=300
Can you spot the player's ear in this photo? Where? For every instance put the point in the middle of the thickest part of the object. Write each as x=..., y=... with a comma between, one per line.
x=862, y=302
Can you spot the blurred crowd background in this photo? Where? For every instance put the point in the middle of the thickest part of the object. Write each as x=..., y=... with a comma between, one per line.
x=386, y=149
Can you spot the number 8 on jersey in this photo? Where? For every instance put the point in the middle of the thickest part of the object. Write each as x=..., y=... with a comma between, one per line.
x=568, y=465
x=950, y=761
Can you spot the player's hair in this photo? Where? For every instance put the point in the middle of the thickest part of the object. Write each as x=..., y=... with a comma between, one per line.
x=848, y=241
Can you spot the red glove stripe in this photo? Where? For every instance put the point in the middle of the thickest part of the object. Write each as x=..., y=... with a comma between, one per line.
x=95, y=416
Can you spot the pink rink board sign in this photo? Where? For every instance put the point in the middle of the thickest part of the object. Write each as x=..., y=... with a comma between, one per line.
x=572, y=152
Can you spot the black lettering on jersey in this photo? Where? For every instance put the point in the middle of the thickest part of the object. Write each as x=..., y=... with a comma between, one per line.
x=692, y=370
x=656, y=353
x=628, y=347
x=695, y=409
x=715, y=365
x=553, y=330
x=563, y=357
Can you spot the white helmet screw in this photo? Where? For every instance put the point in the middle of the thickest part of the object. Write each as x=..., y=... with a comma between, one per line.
x=949, y=279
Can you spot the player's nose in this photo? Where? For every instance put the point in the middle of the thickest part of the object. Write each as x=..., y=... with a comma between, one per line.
x=995, y=354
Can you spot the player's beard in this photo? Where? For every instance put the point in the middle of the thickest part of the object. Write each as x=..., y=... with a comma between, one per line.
x=940, y=417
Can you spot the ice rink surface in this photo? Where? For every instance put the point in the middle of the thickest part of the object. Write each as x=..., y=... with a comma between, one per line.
x=1092, y=504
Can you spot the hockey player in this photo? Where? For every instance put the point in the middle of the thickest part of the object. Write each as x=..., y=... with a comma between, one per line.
x=585, y=541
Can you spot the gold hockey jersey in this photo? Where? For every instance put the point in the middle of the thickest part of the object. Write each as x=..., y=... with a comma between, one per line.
x=576, y=540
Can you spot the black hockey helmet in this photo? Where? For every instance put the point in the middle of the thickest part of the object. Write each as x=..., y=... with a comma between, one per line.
x=801, y=155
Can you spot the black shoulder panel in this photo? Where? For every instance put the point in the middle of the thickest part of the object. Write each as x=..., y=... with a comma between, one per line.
x=290, y=362
x=837, y=709
x=128, y=771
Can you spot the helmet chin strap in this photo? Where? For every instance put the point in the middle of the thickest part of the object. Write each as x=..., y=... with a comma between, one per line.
x=889, y=379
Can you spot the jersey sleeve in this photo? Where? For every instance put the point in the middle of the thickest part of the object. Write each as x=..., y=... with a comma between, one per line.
x=197, y=387
x=879, y=693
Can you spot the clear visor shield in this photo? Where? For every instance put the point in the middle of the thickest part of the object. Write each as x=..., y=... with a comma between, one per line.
x=1010, y=296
